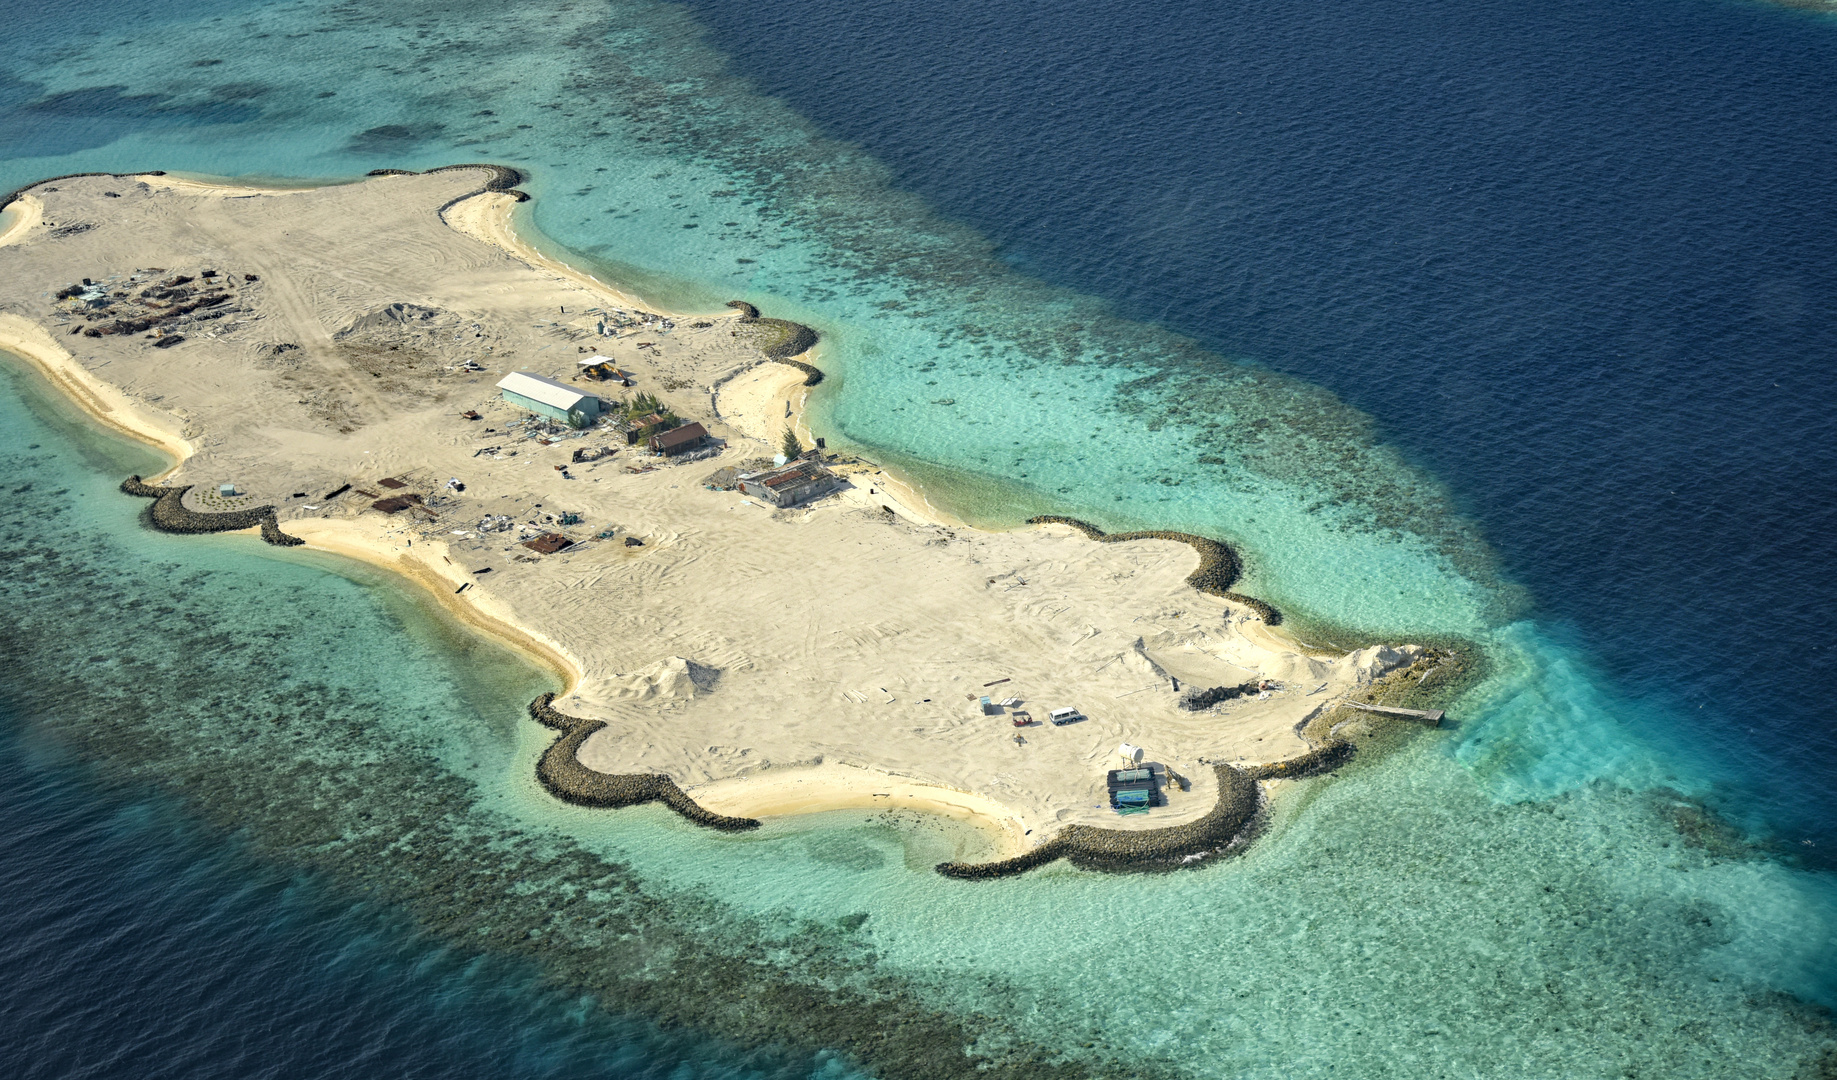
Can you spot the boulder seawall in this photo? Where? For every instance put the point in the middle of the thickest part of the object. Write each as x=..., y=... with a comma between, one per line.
x=560, y=771
x=782, y=339
x=1218, y=564
x=170, y=514
x=1091, y=848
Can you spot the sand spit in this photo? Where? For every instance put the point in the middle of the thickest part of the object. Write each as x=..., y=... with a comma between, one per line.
x=103, y=401
x=499, y=179
x=26, y=214
x=19, y=192
x=487, y=217
x=721, y=654
x=1218, y=564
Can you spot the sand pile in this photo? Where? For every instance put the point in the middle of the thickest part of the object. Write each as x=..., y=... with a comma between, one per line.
x=673, y=678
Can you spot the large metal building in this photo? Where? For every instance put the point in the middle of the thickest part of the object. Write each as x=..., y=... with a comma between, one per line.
x=546, y=397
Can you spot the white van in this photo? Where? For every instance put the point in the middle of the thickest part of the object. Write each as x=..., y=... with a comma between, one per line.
x=1061, y=717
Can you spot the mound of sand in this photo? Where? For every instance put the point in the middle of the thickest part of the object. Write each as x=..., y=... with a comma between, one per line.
x=674, y=678
x=1372, y=663
x=390, y=318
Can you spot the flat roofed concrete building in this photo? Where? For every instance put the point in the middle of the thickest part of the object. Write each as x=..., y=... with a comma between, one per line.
x=546, y=397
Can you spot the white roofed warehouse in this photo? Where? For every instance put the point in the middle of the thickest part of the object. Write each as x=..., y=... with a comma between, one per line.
x=546, y=397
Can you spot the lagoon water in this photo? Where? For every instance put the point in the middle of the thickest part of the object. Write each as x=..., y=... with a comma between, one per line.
x=1460, y=321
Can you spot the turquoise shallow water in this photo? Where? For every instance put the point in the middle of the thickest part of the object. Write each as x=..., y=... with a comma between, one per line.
x=643, y=151
x=1525, y=895
x=1394, y=918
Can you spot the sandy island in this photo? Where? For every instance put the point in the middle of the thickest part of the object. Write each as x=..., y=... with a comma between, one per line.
x=770, y=661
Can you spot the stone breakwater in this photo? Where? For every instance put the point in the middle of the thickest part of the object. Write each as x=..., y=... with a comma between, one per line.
x=1087, y=847
x=782, y=339
x=1218, y=564
x=1321, y=759
x=1196, y=699
x=1231, y=821
x=7, y=199
x=560, y=771
x=1091, y=848
x=169, y=514
x=503, y=178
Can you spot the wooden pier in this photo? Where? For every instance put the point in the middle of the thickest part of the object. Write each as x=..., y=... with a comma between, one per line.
x=1432, y=717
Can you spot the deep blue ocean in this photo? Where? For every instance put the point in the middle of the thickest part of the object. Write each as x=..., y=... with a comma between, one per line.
x=1574, y=262
x=139, y=945
x=1578, y=260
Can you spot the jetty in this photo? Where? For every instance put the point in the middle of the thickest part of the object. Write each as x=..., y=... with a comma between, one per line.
x=1431, y=717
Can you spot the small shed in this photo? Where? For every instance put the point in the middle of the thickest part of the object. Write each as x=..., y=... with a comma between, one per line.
x=687, y=437
x=395, y=504
x=546, y=397
x=547, y=543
